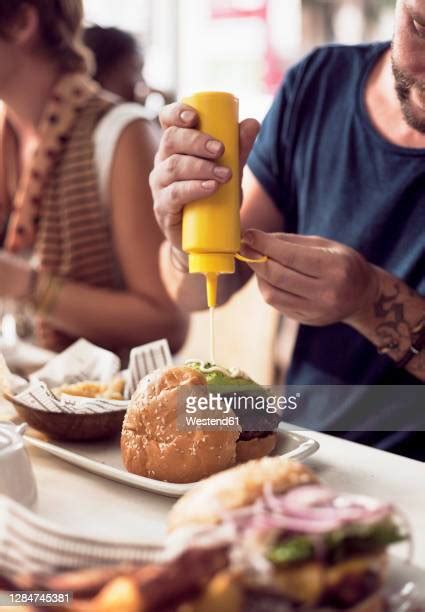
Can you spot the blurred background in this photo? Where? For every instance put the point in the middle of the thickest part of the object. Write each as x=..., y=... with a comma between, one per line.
x=244, y=46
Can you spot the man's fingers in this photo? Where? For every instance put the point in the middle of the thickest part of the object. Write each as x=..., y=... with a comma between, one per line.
x=185, y=167
x=304, y=240
x=189, y=142
x=302, y=258
x=248, y=131
x=172, y=199
x=286, y=279
x=300, y=239
x=181, y=116
x=281, y=300
x=178, y=114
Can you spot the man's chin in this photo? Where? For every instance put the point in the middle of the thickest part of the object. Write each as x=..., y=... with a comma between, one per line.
x=411, y=97
x=414, y=112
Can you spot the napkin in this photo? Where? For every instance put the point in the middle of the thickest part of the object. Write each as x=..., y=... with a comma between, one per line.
x=30, y=544
x=81, y=361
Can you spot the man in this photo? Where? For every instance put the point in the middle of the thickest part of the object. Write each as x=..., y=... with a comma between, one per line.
x=339, y=164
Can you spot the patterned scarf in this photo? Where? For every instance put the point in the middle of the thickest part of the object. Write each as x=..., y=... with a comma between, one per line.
x=69, y=97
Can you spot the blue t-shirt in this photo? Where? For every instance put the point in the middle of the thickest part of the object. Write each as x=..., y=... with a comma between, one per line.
x=332, y=174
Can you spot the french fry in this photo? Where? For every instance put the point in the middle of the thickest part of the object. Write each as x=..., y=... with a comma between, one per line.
x=222, y=593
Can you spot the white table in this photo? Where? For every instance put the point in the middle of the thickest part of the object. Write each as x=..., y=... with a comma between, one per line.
x=94, y=506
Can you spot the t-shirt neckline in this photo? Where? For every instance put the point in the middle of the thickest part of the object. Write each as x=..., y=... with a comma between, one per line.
x=361, y=103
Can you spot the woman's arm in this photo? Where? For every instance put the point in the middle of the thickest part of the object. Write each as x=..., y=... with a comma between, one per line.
x=143, y=311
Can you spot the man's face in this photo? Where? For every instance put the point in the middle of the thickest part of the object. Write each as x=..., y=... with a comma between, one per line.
x=408, y=59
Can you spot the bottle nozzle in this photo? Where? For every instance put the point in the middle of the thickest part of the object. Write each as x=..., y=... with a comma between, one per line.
x=211, y=280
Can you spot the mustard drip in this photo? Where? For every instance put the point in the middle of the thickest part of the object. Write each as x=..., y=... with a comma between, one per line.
x=212, y=336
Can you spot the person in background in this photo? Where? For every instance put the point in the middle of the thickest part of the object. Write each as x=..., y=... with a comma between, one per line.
x=80, y=238
x=119, y=63
x=335, y=198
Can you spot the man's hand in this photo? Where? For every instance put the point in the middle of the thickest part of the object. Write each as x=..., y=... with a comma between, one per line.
x=312, y=280
x=15, y=275
x=186, y=167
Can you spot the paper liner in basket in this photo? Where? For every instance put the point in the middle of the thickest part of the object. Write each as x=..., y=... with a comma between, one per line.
x=86, y=361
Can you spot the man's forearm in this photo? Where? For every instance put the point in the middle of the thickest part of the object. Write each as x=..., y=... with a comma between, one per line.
x=394, y=321
x=189, y=290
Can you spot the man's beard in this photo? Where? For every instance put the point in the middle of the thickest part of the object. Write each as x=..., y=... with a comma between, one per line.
x=403, y=86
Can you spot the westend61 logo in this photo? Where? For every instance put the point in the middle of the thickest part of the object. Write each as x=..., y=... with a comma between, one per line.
x=224, y=409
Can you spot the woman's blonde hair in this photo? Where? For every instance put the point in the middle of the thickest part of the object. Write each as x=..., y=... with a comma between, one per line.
x=60, y=29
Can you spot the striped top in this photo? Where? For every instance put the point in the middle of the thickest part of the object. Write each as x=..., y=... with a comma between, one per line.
x=74, y=239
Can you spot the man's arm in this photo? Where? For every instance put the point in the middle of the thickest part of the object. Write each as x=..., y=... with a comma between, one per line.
x=394, y=321
x=319, y=282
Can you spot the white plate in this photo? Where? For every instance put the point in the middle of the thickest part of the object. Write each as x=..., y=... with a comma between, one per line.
x=403, y=576
x=104, y=459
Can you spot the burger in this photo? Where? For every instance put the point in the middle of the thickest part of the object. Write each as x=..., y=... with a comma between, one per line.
x=153, y=444
x=157, y=443
x=291, y=543
x=263, y=536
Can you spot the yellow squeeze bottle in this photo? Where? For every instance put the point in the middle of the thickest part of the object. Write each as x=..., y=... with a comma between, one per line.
x=211, y=226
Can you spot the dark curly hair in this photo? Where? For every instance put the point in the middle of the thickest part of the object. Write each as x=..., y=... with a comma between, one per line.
x=109, y=45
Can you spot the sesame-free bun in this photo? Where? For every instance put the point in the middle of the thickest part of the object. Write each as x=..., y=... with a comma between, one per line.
x=255, y=448
x=237, y=487
x=153, y=446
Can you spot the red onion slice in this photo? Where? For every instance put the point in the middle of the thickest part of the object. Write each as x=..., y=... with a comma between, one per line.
x=312, y=502
x=293, y=524
x=307, y=496
x=361, y=508
x=308, y=509
x=322, y=509
x=349, y=500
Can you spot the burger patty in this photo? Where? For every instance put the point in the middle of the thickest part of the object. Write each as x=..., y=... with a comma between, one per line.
x=252, y=435
x=350, y=591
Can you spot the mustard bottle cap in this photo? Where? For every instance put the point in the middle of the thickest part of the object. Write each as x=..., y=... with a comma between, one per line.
x=217, y=263
x=211, y=265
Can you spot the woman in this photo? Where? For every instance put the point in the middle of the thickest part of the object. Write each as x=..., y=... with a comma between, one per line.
x=74, y=190
x=119, y=64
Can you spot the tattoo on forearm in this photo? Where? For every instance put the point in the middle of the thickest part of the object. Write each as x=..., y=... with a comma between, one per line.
x=394, y=330
x=395, y=333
